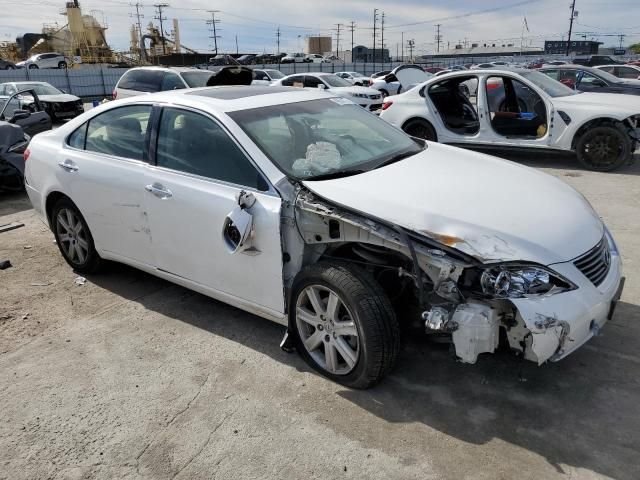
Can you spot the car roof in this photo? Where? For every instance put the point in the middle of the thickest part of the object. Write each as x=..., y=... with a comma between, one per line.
x=233, y=98
x=170, y=69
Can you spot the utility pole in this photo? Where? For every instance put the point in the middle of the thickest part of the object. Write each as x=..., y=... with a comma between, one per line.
x=375, y=22
x=411, y=44
x=621, y=40
x=138, y=16
x=159, y=7
x=352, y=28
x=382, y=37
x=573, y=16
x=402, y=43
x=278, y=34
x=338, y=25
x=438, y=37
x=236, y=44
x=213, y=22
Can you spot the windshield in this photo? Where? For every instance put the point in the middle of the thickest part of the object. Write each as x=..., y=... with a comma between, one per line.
x=551, y=87
x=40, y=88
x=320, y=138
x=355, y=74
x=335, y=81
x=275, y=74
x=196, y=79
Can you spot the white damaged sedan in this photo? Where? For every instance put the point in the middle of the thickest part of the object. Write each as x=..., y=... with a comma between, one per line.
x=305, y=209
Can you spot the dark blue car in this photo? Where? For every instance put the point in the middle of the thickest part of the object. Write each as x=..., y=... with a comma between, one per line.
x=587, y=79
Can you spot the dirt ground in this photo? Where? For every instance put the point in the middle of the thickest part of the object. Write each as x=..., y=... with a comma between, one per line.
x=128, y=376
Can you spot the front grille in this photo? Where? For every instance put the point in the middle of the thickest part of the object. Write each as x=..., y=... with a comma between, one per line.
x=595, y=263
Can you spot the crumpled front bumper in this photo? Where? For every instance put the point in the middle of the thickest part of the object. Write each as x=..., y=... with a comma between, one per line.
x=559, y=324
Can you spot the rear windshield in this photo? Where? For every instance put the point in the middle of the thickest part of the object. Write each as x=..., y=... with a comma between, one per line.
x=141, y=80
x=196, y=79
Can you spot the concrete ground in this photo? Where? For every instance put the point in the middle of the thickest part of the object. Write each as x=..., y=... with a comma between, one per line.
x=128, y=376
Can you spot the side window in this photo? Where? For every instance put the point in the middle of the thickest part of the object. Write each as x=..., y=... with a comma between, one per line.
x=78, y=137
x=555, y=74
x=192, y=143
x=312, y=82
x=592, y=80
x=295, y=81
x=607, y=69
x=120, y=132
x=260, y=75
x=627, y=72
x=171, y=81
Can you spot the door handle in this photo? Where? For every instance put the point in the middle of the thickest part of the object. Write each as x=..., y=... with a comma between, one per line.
x=68, y=166
x=159, y=190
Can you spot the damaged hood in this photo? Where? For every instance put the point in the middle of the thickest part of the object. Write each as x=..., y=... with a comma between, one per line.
x=628, y=104
x=491, y=209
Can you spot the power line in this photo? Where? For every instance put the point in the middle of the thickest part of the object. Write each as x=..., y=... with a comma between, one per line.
x=213, y=22
x=138, y=16
x=573, y=16
x=338, y=25
x=438, y=37
x=352, y=29
x=159, y=7
x=375, y=21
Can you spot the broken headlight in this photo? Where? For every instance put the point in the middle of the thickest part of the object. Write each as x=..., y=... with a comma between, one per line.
x=510, y=281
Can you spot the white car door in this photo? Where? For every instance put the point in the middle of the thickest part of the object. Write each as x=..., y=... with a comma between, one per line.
x=199, y=173
x=104, y=168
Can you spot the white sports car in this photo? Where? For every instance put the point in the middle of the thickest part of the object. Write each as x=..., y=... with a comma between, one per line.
x=400, y=79
x=523, y=109
x=303, y=208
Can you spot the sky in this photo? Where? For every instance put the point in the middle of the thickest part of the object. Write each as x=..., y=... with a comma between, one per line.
x=255, y=22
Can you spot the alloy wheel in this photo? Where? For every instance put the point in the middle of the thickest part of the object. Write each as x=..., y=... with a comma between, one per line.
x=72, y=236
x=327, y=329
x=603, y=150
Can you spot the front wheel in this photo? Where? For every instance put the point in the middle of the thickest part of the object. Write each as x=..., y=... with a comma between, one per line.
x=343, y=324
x=10, y=67
x=33, y=67
x=604, y=149
x=74, y=238
x=62, y=65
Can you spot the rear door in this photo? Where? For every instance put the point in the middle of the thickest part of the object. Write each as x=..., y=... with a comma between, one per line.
x=38, y=120
x=199, y=173
x=103, y=165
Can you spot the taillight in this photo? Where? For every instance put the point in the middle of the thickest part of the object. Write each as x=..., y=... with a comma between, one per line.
x=114, y=94
x=26, y=154
x=386, y=105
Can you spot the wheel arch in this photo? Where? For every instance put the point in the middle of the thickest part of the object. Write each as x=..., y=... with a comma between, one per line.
x=594, y=122
x=422, y=119
x=52, y=198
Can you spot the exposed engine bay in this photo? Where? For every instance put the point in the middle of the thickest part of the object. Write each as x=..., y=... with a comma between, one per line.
x=430, y=283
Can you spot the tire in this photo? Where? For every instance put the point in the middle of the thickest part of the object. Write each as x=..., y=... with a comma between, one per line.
x=421, y=129
x=384, y=93
x=605, y=148
x=33, y=67
x=10, y=67
x=78, y=248
x=62, y=65
x=369, y=344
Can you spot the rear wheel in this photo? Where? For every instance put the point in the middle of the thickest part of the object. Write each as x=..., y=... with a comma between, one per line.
x=62, y=65
x=74, y=238
x=604, y=148
x=421, y=129
x=33, y=67
x=343, y=324
x=10, y=67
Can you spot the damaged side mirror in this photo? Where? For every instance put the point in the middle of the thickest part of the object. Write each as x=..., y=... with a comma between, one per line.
x=238, y=224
